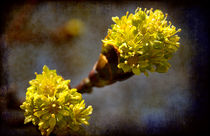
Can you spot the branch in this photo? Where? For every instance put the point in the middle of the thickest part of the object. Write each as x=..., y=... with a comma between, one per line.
x=104, y=72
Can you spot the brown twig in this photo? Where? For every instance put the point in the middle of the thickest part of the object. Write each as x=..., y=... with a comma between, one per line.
x=104, y=72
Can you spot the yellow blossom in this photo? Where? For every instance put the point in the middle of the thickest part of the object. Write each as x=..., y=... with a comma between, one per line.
x=145, y=41
x=51, y=104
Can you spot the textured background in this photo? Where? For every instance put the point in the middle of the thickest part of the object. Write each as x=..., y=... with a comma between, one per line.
x=161, y=104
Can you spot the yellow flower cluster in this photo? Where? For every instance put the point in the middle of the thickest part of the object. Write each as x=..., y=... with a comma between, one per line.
x=145, y=41
x=52, y=105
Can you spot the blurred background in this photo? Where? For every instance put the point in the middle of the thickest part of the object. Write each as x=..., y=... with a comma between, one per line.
x=66, y=36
